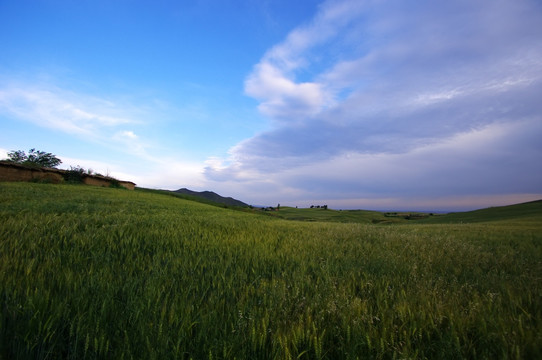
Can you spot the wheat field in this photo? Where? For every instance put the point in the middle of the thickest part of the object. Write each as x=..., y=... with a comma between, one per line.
x=97, y=273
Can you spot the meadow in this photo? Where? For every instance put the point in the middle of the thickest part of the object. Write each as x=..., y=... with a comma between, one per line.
x=99, y=273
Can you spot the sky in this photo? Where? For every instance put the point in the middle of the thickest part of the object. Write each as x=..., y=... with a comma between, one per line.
x=356, y=104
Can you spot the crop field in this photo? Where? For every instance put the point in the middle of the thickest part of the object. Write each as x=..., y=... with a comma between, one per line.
x=99, y=273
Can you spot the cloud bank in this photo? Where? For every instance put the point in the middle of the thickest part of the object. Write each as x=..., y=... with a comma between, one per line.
x=381, y=100
x=98, y=133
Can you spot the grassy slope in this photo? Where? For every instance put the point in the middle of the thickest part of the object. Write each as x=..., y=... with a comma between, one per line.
x=182, y=196
x=530, y=212
x=345, y=216
x=90, y=272
x=521, y=214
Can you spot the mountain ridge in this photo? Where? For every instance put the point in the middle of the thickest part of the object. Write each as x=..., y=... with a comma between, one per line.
x=212, y=196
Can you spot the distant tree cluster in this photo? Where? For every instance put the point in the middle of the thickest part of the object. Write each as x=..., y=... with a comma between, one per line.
x=34, y=158
x=319, y=207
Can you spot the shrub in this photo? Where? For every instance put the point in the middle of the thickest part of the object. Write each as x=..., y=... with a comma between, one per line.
x=115, y=183
x=76, y=174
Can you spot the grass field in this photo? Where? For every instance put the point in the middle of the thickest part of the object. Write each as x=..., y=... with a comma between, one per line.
x=97, y=273
x=328, y=215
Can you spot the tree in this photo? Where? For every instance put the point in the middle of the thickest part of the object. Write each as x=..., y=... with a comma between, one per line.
x=17, y=156
x=35, y=158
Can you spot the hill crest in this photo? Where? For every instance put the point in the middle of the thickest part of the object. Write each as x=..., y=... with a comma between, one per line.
x=212, y=196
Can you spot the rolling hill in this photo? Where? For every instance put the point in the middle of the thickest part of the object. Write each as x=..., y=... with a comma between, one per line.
x=104, y=273
x=212, y=196
x=524, y=212
x=530, y=212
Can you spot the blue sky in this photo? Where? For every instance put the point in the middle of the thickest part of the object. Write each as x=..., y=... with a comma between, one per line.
x=356, y=104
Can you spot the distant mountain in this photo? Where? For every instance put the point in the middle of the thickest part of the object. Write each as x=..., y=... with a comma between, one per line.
x=212, y=196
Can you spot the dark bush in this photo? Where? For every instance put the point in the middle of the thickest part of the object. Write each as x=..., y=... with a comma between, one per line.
x=74, y=175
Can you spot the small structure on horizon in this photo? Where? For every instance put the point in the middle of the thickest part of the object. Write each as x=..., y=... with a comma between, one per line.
x=319, y=207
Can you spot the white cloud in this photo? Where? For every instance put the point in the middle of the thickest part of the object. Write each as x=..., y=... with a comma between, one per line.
x=98, y=120
x=273, y=80
x=114, y=129
x=495, y=162
x=3, y=153
x=282, y=97
x=331, y=18
x=130, y=143
x=128, y=134
x=101, y=167
x=398, y=101
x=158, y=173
x=66, y=111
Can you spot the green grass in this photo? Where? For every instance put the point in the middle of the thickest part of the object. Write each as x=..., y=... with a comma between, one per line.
x=329, y=215
x=96, y=273
x=522, y=214
x=195, y=198
x=519, y=214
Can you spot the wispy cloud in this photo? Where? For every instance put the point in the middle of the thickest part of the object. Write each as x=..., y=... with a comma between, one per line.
x=105, y=121
x=273, y=79
x=56, y=108
x=495, y=161
x=377, y=98
x=4, y=153
x=166, y=172
x=111, y=126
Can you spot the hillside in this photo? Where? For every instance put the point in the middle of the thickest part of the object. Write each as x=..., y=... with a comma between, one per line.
x=102, y=273
x=330, y=215
x=212, y=196
x=530, y=212
x=518, y=213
